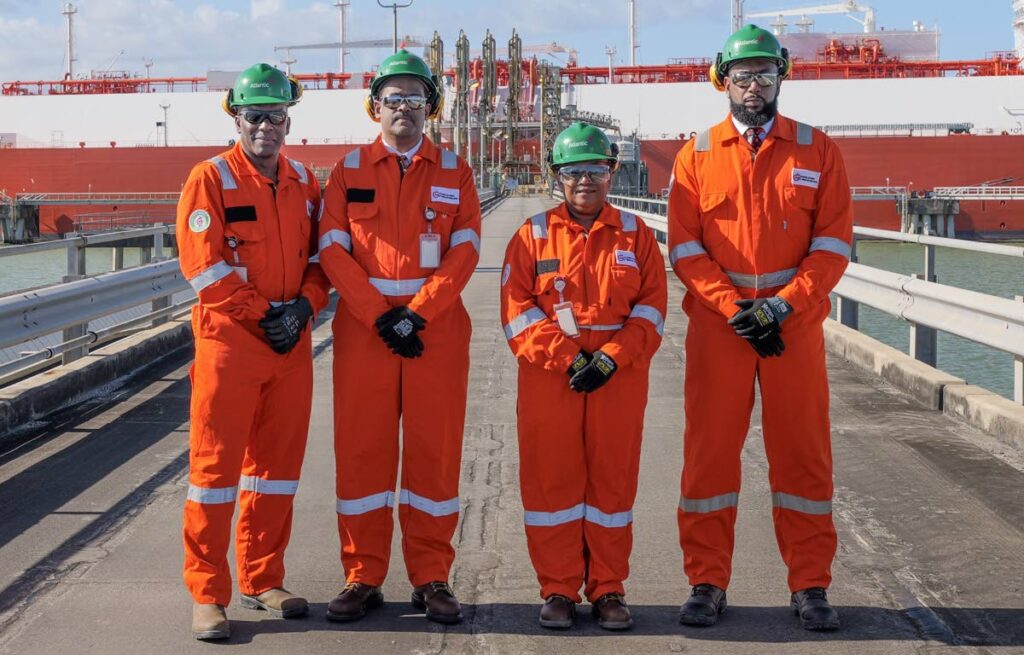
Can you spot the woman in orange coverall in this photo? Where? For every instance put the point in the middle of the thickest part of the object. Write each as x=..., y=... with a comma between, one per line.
x=583, y=295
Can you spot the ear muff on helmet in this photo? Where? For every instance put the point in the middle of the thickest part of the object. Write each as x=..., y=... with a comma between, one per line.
x=296, y=90
x=226, y=104
x=717, y=76
x=786, y=67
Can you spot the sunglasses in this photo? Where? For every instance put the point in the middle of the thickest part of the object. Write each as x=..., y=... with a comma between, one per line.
x=256, y=117
x=743, y=79
x=596, y=173
x=395, y=101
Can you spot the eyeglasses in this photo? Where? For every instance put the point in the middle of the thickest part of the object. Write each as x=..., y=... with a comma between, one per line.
x=596, y=172
x=256, y=116
x=395, y=101
x=743, y=79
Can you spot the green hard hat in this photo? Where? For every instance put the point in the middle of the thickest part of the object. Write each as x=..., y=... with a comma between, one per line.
x=262, y=84
x=403, y=62
x=581, y=142
x=750, y=42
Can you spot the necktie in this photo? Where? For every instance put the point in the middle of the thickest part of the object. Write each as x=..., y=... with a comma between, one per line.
x=403, y=164
x=755, y=136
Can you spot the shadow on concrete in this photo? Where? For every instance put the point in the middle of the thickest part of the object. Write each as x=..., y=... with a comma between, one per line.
x=738, y=624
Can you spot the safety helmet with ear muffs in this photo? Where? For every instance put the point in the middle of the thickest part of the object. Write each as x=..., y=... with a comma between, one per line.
x=749, y=42
x=404, y=62
x=261, y=84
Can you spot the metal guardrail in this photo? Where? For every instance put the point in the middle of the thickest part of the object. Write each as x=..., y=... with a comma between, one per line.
x=98, y=198
x=979, y=192
x=76, y=246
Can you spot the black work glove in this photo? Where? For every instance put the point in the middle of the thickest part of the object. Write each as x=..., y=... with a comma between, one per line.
x=283, y=325
x=581, y=359
x=594, y=374
x=759, y=321
x=398, y=329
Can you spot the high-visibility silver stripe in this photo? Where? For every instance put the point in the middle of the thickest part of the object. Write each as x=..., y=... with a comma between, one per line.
x=218, y=271
x=766, y=281
x=315, y=259
x=397, y=287
x=703, y=142
x=804, y=134
x=207, y=496
x=516, y=326
x=352, y=159
x=340, y=237
x=357, y=506
x=268, y=487
x=616, y=520
x=651, y=314
x=466, y=235
x=713, y=504
x=432, y=507
x=280, y=303
x=801, y=504
x=540, y=225
x=687, y=249
x=300, y=169
x=227, y=180
x=320, y=211
x=449, y=160
x=628, y=221
x=831, y=244
x=550, y=519
x=601, y=328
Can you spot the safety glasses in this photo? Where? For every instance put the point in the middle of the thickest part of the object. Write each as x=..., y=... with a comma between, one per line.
x=596, y=172
x=256, y=116
x=743, y=79
x=395, y=101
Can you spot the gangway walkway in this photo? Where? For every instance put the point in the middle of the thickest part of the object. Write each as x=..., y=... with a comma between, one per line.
x=929, y=514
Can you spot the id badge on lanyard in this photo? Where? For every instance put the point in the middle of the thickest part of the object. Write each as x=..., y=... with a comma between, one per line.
x=563, y=311
x=430, y=243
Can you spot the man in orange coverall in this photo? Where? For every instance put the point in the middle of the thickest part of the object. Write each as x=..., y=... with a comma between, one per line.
x=760, y=226
x=247, y=239
x=399, y=239
x=583, y=295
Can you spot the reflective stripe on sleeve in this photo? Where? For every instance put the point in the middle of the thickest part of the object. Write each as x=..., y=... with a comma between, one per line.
x=687, y=249
x=540, y=225
x=804, y=134
x=651, y=314
x=218, y=271
x=616, y=520
x=352, y=159
x=831, y=244
x=300, y=169
x=340, y=237
x=705, y=505
x=465, y=235
x=227, y=180
x=432, y=507
x=449, y=160
x=801, y=504
x=516, y=326
x=765, y=281
x=397, y=287
x=628, y=221
x=365, y=504
x=601, y=328
x=550, y=519
x=268, y=487
x=207, y=496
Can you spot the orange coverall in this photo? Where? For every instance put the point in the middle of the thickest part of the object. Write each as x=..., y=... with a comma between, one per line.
x=243, y=246
x=579, y=454
x=742, y=226
x=370, y=249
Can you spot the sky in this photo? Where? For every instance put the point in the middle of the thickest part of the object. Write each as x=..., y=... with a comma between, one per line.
x=185, y=38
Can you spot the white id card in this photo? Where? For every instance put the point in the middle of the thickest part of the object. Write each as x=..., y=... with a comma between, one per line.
x=242, y=271
x=430, y=250
x=566, y=319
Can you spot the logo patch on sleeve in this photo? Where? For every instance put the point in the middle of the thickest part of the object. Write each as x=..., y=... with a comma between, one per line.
x=506, y=274
x=626, y=258
x=803, y=177
x=444, y=194
x=199, y=221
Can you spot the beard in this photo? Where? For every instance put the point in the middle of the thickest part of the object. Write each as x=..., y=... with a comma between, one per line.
x=753, y=118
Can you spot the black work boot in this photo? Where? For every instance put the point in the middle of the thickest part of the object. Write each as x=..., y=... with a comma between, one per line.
x=706, y=602
x=815, y=613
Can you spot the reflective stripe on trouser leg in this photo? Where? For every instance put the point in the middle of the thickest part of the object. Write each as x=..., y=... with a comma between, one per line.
x=614, y=422
x=433, y=397
x=270, y=472
x=552, y=479
x=366, y=374
x=718, y=396
x=794, y=400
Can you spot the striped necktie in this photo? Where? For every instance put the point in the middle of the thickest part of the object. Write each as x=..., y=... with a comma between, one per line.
x=403, y=163
x=755, y=137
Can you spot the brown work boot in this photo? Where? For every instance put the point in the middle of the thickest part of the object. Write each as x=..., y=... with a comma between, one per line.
x=612, y=613
x=557, y=612
x=353, y=601
x=209, y=622
x=439, y=601
x=279, y=603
